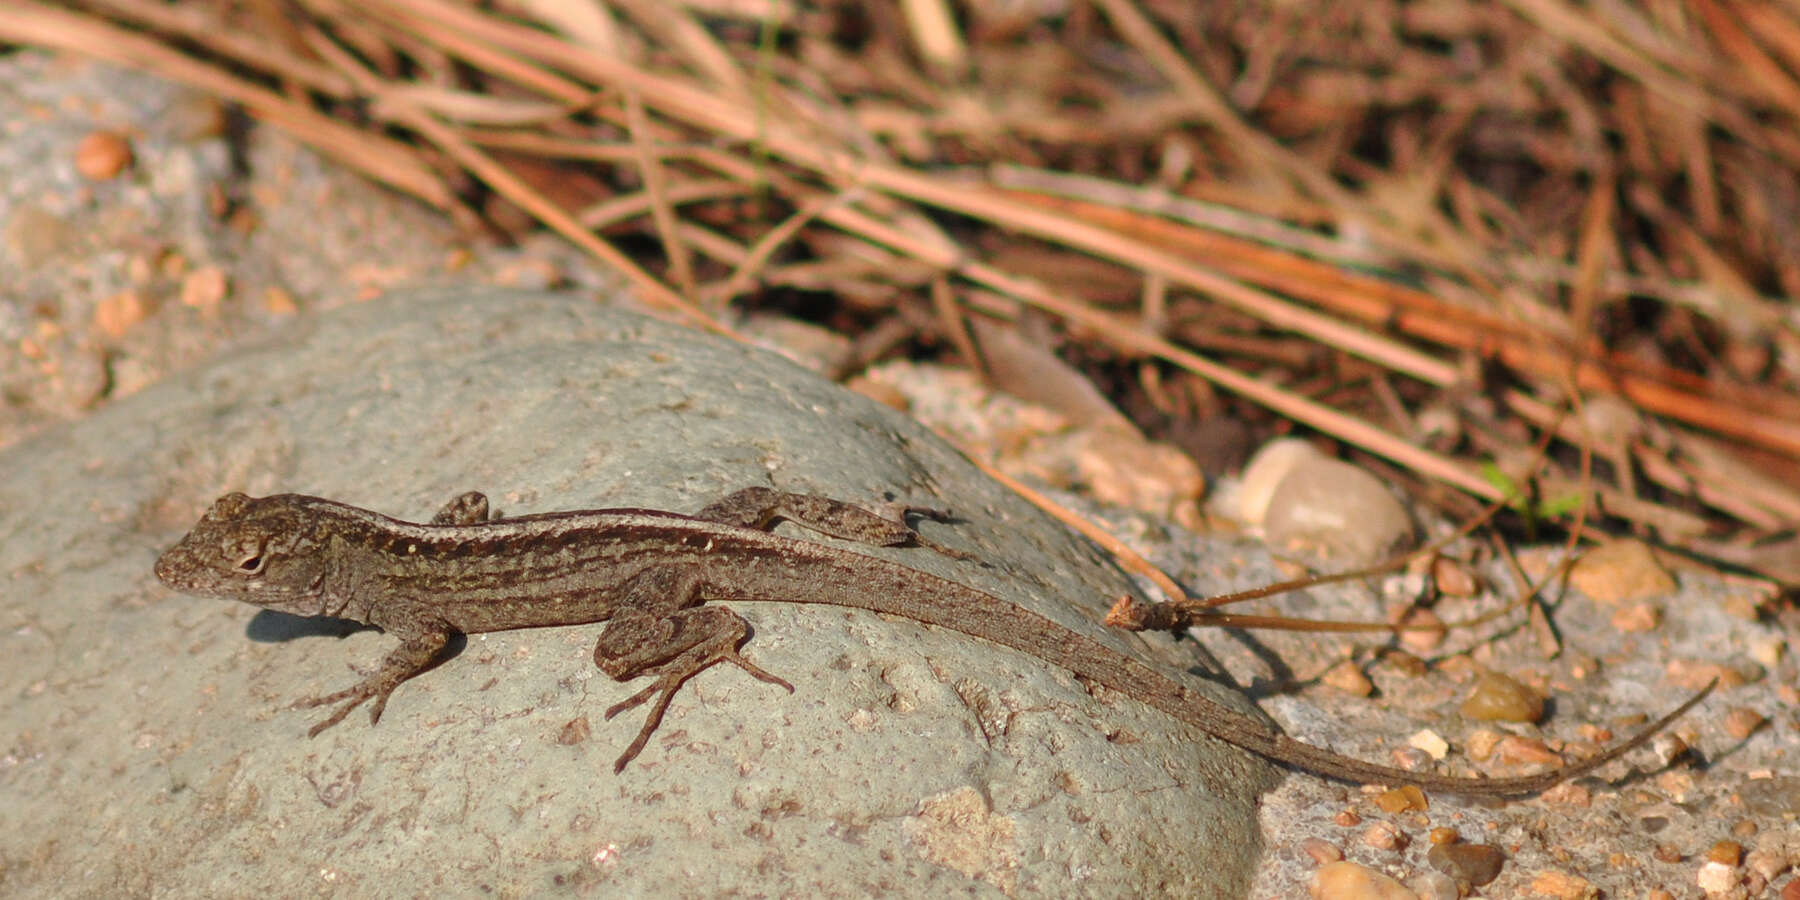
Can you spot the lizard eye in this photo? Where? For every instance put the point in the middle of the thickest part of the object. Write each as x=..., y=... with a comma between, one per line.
x=248, y=557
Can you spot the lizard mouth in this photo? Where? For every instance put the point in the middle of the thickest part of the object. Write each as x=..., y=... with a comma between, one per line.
x=171, y=566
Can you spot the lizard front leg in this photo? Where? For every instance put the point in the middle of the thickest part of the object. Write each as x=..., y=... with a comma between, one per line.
x=659, y=632
x=414, y=655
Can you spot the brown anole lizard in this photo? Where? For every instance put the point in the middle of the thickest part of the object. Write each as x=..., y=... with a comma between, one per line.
x=648, y=574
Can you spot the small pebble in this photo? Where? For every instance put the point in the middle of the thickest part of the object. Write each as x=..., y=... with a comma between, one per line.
x=1693, y=674
x=278, y=302
x=1443, y=835
x=1675, y=786
x=1499, y=698
x=1716, y=878
x=1766, y=863
x=1767, y=649
x=1597, y=734
x=1264, y=471
x=1742, y=722
x=1479, y=745
x=1791, y=891
x=1563, y=885
x=1516, y=750
x=1321, y=851
x=102, y=155
x=1725, y=852
x=1579, y=749
x=1401, y=799
x=1431, y=742
x=1475, y=864
x=1347, y=818
x=1668, y=748
x=1338, y=509
x=1401, y=662
x=1454, y=579
x=1619, y=572
x=1431, y=885
x=1349, y=881
x=1424, y=629
x=1637, y=618
x=204, y=288
x=1383, y=836
x=1667, y=853
x=1568, y=794
x=1410, y=759
x=1348, y=677
x=116, y=314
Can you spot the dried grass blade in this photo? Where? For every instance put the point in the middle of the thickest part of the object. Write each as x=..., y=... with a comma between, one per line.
x=512, y=187
x=1335, y=422
x=656, y=185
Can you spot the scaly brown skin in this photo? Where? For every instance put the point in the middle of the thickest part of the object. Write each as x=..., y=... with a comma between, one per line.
x=647, y=574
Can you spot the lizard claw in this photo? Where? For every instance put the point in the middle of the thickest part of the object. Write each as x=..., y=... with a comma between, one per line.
x=410, y=658
x=351, y=698
x=664, y=688
x=335, y=717
x=375, y=688
x=756, y=671
x=636, y=699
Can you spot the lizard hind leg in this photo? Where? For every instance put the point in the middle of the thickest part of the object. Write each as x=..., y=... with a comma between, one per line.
x=672, y=648
x=759, y=507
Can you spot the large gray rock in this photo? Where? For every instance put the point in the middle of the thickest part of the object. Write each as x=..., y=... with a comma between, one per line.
x=149, y=747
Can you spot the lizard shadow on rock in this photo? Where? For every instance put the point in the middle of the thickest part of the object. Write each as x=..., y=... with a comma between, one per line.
x=270, y=626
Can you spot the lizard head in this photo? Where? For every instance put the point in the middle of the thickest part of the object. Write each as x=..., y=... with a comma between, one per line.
x=256, y=549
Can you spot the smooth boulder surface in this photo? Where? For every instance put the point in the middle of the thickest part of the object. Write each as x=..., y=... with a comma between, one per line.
x=152, y=748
